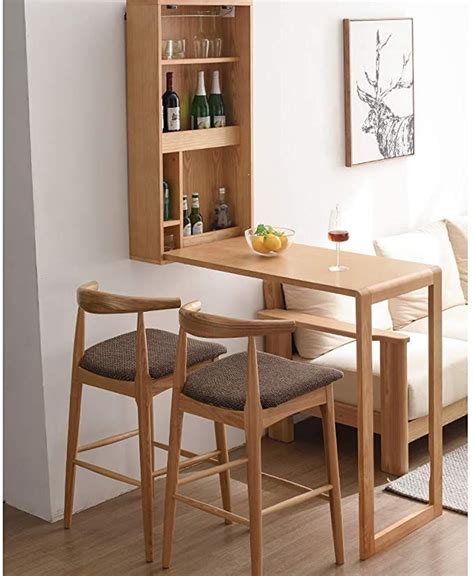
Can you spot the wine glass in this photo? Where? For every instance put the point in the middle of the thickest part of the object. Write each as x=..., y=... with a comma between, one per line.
x=337, y=232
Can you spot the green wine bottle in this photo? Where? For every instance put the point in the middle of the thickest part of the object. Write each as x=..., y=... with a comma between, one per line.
x=216, y=103
x=200, y=117
x=197, y=224
x=186, y=219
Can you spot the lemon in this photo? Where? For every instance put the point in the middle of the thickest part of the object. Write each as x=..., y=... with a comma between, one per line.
x=284, y=243
x=272, y=243
x=258, y=244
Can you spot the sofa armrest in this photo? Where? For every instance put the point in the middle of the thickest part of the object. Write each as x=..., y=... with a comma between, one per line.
x=329, y=325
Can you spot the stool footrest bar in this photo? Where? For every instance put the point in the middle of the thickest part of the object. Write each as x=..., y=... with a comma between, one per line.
x=190, y=462
x=107, y=441
x=107, y=472
x=296, y=499
x=212, y=471
x=212, y=509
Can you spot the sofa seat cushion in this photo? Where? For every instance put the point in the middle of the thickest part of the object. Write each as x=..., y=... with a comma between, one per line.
x=454, y=323
x=116, y=357
x=454, y=373
x=224, y=383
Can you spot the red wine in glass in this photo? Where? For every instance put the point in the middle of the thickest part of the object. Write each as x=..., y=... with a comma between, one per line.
x=337, y=233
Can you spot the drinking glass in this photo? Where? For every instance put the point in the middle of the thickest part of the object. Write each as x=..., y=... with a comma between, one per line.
x=337, y=232
x=201, y=42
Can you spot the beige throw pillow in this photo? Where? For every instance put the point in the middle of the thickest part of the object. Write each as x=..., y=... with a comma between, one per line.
x=428, y=245
x=457, y=230
x=311, y=343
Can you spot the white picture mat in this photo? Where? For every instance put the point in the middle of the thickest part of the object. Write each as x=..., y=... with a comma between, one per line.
x=362, y=59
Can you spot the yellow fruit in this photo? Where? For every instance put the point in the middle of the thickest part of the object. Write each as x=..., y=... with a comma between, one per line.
x=284, y=243
x=258, y=244
x=272, y=243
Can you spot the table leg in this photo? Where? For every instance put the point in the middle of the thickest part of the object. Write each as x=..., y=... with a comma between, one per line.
x=365, y=424
x=435, y=394
x=369, y=541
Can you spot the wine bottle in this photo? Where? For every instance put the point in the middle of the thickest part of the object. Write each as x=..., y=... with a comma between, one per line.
x=197, y=224
x=216, y=103
x=166, y=201
x=221, y=212
x=186, y=219
x=200, y=117
x=171, y=111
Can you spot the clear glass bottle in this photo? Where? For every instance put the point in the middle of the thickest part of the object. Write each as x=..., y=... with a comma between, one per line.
x=221, y=211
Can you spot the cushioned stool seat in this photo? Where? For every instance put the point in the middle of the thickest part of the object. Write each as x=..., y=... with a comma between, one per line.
x=223, y=383
x=116, y=357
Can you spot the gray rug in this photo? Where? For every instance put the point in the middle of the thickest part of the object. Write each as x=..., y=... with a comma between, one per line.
x=414, y=485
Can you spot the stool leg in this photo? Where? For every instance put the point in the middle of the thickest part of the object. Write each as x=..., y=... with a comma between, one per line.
x=224, y=477
x=72, y=443
x=176, y=427
x=254, y=476
x=330, y=446
x=145, y=441
x=152, y=433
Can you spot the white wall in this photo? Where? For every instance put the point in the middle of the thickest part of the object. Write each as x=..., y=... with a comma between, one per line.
x=26, y=478
x=78, y=140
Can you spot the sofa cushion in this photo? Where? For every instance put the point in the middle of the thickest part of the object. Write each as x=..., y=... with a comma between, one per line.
x=454, y=373
x=454, y=323
x=457, y=230
x=312, y=343
x=429, y=245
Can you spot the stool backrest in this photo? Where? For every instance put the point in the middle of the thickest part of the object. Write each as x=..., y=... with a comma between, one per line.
x=193, y=321
x=91, y=299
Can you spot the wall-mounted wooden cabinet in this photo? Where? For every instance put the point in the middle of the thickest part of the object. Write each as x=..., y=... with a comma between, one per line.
x=189, y=160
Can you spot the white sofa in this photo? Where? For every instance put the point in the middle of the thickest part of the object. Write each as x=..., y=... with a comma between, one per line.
x=444, y=244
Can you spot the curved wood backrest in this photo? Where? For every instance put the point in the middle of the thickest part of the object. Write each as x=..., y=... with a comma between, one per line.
x=197, y=323
x=94, y=301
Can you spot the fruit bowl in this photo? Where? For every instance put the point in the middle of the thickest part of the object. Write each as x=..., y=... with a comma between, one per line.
x=269, y=241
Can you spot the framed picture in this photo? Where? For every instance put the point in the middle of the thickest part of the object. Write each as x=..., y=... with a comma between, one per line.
x=378, y=89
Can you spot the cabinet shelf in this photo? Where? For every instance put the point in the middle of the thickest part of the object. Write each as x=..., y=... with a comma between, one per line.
x=171, y=223
x=190, y=61
x=200, y=139
x=211, y=236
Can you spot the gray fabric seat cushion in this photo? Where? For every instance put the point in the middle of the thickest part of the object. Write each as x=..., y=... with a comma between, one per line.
x=223, y=383
x=116, y=357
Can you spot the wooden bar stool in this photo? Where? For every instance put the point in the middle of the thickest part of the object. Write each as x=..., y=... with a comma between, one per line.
x=139, y=365
x=250, y=391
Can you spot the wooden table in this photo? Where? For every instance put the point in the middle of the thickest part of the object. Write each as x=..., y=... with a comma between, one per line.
x=370, y=279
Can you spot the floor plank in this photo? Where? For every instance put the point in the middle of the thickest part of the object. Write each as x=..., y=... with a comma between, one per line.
x=107, y=539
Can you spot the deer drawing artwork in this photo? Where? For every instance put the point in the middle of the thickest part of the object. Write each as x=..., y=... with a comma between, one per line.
x=394, y=134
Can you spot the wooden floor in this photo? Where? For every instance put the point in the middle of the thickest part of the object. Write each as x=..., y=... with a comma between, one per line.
x=107, y=540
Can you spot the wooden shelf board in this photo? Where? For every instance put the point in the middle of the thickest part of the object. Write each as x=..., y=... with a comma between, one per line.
x=200, y=139
x=211, y=236
x=170, y=223
x=191, y=61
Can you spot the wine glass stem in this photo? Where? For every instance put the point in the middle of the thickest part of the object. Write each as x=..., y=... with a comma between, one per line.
x=337, y=253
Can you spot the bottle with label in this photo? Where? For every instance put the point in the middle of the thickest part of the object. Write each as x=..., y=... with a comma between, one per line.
x=216, y=103
x=186, y=218
x=166, y=201
x=171, y=111
x=200, y=117
x=197, y=224
x=221, y=212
